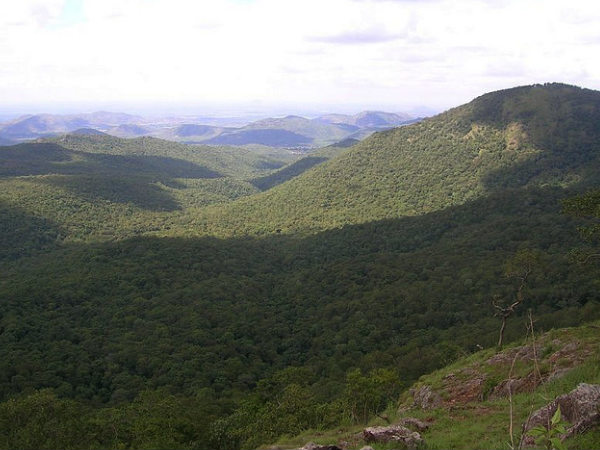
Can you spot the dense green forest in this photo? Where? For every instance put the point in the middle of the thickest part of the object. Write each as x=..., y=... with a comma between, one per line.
x=152, y=297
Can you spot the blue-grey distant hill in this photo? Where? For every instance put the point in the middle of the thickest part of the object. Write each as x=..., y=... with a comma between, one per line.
x=296, y=131
x=367, y=119
x=289, y=132
x=39, y=125
x=88, y=132
x=268, y=137
x=127, y=130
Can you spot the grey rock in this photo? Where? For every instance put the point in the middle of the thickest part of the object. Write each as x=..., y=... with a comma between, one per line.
x=393, y=433
x=580, y=407
x=313, y=446
x=426, y=398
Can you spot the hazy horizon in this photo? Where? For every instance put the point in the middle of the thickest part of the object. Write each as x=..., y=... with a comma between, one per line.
x=232, y=111
x=223, y=57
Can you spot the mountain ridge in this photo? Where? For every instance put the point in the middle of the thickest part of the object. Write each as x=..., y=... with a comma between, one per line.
x=287, y=131
x=445, y=160
x=178, y=309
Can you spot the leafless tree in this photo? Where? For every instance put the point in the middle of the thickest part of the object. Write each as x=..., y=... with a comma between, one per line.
x=520, y=267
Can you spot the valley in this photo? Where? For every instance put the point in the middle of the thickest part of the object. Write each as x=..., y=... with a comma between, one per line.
x=244, y=290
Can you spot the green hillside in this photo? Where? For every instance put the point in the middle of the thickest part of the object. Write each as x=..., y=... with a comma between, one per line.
x=289, y=131
x=234, y=162
x=153, y=299
x=296, y=168
x=540, y=136
x=99, y=187
x=468, y=405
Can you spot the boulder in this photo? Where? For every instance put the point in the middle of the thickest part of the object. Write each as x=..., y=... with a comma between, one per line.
x=580, y=407
x=393, y=433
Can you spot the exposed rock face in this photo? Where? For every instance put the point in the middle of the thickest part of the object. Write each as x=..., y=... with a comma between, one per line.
x=465, y=387
x=561, y=361
x=580, y=407
x=515, y=386
x=526, y=353
x=426, y=398
x=473, y=384
x=393, y=433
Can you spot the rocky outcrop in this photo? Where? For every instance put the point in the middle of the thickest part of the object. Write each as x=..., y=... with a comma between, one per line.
x=464, y=387
x=580, y=407
x=313, y=446
x=513, y=386
x=393, y=433
x=425, y=398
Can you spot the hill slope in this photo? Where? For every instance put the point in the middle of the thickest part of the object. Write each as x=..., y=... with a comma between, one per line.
x=367, y=119
x=514, y=139
x=289, y=131
x=32, y=126
x=239, y=163
x=159, y=334
x=466, y=405
x=99, y=187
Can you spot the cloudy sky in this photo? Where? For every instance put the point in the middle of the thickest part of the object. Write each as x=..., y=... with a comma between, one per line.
x=321, y=54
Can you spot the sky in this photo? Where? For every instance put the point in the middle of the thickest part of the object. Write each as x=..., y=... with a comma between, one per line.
x=320, y=55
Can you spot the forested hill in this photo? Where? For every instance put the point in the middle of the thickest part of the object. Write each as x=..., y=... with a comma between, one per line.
x=227, y=161
x=148, y=306
x=521, y=138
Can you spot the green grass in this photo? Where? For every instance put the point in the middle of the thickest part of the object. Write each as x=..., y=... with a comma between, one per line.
x=484, y=424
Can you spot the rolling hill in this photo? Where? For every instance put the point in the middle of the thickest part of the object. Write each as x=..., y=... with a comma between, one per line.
x=193, y=133
x=128, y=131
x=367, y=119
x=99, y=187
x=289, y=131
x=229, y=161
x=519, y=139
x=88, y=132
x=268, y=137
x=296, y=131
x=39, y=125
x=226, y=326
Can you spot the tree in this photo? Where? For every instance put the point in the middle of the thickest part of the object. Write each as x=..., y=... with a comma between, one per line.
x=518, y=267
x=369, y=394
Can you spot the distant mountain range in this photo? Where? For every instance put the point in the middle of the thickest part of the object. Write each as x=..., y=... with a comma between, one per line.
x=39, y=125
x=367, y=119
x=290, y=131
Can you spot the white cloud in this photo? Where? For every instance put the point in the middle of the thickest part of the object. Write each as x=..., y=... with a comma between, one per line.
x=373, y=52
